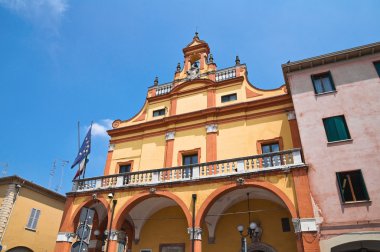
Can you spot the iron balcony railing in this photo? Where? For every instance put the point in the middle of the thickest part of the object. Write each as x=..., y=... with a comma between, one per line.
x=271, y=161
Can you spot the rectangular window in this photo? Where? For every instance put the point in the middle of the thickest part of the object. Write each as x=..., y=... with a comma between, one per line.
x=336, y=128
x=188, y=160
x=323, y=83
x=159, y=112
x=229, y=97
x=271, y=160
x=125, y=168
x=172, y=247
x=377, y=66
x=33, y=218
x=352, y=186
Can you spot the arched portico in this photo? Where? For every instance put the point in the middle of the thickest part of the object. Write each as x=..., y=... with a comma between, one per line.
x=226, y=208
x=146, y=210
x=228, y=188
x=70, y=224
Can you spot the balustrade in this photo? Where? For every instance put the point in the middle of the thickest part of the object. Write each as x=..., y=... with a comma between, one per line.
x=270, y=161
x=225, y=74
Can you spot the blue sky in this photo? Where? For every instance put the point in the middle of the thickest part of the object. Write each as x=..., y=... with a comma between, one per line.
x=65, y=61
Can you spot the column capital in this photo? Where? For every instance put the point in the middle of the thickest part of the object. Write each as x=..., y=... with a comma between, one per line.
x=117, y=235
x=197, y=233
x=212, y=128
x=169, y=135
x=65, y=237
x=291, y=115
x=111, y=147
x=305, y=225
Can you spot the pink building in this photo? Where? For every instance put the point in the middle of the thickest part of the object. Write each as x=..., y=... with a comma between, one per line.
x=337, y=104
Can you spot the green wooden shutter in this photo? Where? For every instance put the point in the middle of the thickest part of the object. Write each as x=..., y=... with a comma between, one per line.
x=341, y=128
x=330, y=128
x=340, y=186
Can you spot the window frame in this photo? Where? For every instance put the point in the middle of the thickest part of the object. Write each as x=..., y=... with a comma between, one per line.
x=187, y=172
x=261, y=143
x=376, y=64
x=228, y=98
x=315, y=77
x=341, y=191
x=157, y=112
x=326, y=126
x=33, y=220
x=168, y=245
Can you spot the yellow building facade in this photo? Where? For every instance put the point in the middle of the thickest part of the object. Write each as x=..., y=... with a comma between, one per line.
x=29, y=216
x=206, y=154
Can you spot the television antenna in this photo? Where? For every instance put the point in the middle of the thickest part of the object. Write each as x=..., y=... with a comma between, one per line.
x=53, y=171
x=63, y=164
x=4, y=170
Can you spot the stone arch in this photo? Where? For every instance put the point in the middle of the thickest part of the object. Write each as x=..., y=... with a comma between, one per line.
x=225, y=189
x=136, y=199
x=70, y=222
x=260, y=246
x=20, y=249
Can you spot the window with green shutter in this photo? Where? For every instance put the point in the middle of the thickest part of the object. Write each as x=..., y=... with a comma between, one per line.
x=377, y=66
x=352, y=187
x=323, y=83
x=336, y=128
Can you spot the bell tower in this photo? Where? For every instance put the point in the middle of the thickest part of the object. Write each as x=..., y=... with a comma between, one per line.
x=198, y=61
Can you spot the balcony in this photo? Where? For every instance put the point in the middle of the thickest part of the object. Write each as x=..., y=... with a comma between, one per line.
x=283, y=160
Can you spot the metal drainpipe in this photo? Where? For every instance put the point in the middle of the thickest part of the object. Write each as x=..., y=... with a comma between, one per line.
x=193, y=222
x=18, y=187
x=109, y=229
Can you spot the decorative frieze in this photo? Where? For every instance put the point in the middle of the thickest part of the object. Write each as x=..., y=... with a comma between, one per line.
x=169, y=135
x=212, y=128
x=195, y=234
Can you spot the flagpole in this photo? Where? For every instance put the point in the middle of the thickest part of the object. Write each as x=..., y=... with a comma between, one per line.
x=85, y=160
x=78, y=146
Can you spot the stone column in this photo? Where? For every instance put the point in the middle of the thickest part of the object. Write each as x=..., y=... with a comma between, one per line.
x=116, y=237
x=197, y=235
x=211, y=138
x=169, y=137
x=305, y=225
x=64, y=241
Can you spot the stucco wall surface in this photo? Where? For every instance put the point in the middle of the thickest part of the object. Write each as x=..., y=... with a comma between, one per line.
x=357, y=98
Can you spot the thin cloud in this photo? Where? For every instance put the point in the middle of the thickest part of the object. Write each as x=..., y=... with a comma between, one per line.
x=46, y=14
x=99, y=129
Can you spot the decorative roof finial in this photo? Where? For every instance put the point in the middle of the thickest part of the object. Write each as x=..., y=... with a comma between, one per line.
x=156, y=81
x=196, y=35
x=178, y=67
x=211, y=59
x=237, y=60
